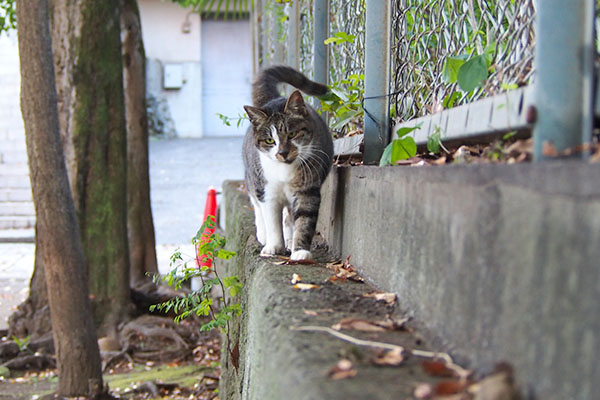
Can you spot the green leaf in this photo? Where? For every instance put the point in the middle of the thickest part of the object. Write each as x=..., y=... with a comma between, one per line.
x=451, y=68
x=406, y=130
x=229, y=281
x=473, y=73
x=386, y=157
x=450, y=99
x=345, y=118
x=434, y=141
x=234, y=291
x=225, y=254
x=403, y=149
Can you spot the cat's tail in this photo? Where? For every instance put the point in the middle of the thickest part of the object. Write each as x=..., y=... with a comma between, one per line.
x=264, y=87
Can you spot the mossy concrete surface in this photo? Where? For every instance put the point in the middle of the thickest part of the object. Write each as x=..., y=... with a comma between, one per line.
x=277, y=362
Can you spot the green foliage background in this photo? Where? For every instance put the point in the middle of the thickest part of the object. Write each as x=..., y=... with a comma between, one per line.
x=8, y=16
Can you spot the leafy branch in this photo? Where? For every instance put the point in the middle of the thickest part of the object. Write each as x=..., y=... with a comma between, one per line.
x=227, y=120
x=8, y=16
x=208, y=246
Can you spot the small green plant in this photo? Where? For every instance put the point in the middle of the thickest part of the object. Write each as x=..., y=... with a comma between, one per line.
x=402, y=148
x=227, y=120
x=344, y=100
x=208, y=246
x=434, y=141
x=22, y=343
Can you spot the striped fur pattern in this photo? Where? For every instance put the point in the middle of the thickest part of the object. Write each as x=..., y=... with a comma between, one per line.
x=287, y=155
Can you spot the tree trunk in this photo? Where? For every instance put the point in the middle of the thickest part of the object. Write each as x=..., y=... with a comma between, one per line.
x=89, y=70
x=74, y=335
x=142, y=246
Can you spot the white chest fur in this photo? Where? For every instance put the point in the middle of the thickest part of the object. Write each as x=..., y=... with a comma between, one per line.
x=278, y=175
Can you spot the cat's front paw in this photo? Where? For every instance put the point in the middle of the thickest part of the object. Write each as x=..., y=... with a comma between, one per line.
x=298, y=255
x=272, y=250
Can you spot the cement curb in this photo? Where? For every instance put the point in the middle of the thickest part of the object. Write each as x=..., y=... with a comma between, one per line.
x=276, y=362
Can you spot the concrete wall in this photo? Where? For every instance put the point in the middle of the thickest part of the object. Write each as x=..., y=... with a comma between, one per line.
x=498, y=262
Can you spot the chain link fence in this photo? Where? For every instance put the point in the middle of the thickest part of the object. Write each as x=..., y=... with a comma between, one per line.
x=307, y=37
x=346, y=52
x=431, y=42
x=433, y=39
x=347, y=27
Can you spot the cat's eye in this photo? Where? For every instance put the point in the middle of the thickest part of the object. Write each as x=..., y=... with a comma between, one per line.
x=292, y=135
x=269, y=141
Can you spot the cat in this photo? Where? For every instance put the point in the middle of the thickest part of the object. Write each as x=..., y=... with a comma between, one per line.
x=287, y=154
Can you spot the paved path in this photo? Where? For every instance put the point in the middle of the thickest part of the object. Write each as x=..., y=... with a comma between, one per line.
x=181, y=170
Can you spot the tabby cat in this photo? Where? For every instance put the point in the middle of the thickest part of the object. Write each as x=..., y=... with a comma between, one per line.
x=287, y=155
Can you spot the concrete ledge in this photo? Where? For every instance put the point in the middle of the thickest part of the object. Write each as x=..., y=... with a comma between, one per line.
x=276, y=362
x=501, y=262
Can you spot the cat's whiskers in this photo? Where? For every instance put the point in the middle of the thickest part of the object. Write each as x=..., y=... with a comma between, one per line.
x=306, y=167
x=323, y=166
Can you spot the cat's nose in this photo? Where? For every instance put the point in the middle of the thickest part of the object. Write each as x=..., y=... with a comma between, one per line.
x=283, y=153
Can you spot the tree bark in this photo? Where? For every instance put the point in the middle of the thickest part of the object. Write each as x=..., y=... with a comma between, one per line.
x=74, y=335
x=86, y=41
x=142, y=246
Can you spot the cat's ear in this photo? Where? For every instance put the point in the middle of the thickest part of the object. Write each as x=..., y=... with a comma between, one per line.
x=295, y=104
x=256, y=115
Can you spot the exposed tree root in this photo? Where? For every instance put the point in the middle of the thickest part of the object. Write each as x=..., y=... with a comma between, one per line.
x=31, y=361
x=111, y=357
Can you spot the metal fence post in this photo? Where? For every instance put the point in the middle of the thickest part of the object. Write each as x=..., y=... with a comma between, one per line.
x=294, y=36
x=564, y=59
x=321, y=32
x=377, y=79
x=256, y=35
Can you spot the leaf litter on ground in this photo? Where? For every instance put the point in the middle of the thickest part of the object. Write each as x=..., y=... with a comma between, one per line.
x=389, y=298
x=344, y=270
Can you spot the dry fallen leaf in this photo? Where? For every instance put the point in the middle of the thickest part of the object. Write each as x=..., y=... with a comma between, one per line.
x=369, y=326
x=311, y=313
x=305, y=286
x=437, y=369
x=439, y=161
x=548, y=149
x=389, y=298
x=449, y=388
x=344, y=270
x=342, y=370
x=423, y=391
x=295, y=279
x=392, y=358
x=358, y=325
x=498, y=386
x=284, y=260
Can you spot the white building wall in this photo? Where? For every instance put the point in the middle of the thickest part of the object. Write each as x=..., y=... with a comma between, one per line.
x=172, y=36
x=226, y=73
x=11, y=122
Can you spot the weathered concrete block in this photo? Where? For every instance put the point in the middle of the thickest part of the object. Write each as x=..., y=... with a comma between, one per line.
x=499, y=262
x=276, y=362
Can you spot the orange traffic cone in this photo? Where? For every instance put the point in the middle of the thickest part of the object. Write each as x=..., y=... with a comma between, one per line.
x=210, y=209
